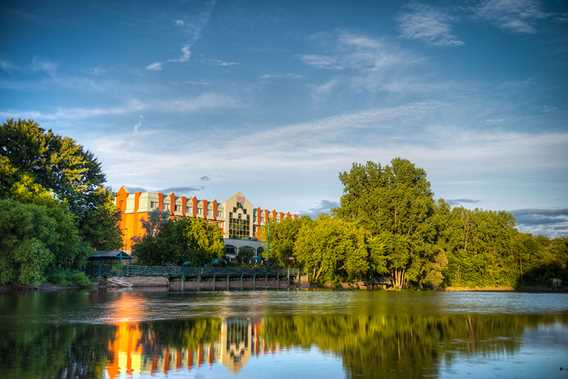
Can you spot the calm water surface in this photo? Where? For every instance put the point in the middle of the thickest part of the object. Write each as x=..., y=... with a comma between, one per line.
x=306, y=334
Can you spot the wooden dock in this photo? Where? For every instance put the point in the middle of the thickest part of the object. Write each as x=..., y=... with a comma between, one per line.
x=201, y=278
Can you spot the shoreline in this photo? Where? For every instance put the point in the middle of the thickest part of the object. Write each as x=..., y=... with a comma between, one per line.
x=58, y=288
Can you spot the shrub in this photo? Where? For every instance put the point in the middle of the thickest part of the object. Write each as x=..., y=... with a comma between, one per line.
x=80, y=279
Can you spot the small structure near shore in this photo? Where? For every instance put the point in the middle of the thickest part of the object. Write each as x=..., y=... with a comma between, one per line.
x=109, y=257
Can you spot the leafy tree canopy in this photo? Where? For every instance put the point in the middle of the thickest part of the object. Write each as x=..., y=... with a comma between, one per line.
x=35, y=163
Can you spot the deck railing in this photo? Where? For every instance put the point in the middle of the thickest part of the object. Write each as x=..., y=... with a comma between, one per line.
x=188, y=272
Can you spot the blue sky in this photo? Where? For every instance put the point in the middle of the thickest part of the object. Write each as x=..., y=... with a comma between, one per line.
x=275, y=98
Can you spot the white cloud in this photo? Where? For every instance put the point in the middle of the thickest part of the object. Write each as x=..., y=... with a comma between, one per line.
x=281, y=76
x=518, y=16
x=7, y=66
x=221, y=63
x=207, y=101
x=368, y=64
x=184, y=56
x=428, y=24
x=192, y=28
x=323, y=90
x=320, y=61
x=156, y=66
x=42, y=65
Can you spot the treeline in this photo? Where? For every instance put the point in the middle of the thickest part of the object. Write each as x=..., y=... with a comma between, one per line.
x=54, y=206
x=389, y=225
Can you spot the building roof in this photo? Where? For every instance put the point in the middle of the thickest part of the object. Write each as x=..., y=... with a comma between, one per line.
x=109, y=254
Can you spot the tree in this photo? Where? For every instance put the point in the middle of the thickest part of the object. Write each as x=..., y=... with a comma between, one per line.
x=34, y=161
x=394, y=203
x=283, y=236
x=178, y=241
x=37, y=237
x=331, y=249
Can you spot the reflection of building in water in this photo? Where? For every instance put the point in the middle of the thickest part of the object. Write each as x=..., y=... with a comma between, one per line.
x=133, y=351
x=238, y=340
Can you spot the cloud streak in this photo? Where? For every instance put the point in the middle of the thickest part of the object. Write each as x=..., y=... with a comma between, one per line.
x=192, y=27
x=204, y=102
x=428, y=24
x=517, y=16
x=549, y=222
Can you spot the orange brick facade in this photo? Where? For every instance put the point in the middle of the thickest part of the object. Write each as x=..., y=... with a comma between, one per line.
x=135, y=207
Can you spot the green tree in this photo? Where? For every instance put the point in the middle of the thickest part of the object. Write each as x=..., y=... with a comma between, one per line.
x=34, y=161
x=394, y=203
x=179, y=241
x=330, y=250
x=37, y=237
x=283, y=236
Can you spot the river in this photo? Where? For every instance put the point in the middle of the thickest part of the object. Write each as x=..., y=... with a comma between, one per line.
x=283, y=334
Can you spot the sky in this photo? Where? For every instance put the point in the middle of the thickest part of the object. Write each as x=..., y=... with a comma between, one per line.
x=274, y=99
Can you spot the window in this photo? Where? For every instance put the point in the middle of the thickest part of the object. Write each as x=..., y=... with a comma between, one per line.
x=166, y=206
x=153, y=205
x=200, y=210
x=239, y=222
x=189, y=209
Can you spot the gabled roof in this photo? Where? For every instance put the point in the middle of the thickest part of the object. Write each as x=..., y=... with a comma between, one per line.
x=116, y=254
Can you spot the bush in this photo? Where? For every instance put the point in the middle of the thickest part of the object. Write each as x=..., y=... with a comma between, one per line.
x=80, y=279
x=60, y=278
x=69, y=278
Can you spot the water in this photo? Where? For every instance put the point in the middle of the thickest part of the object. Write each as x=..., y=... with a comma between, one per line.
x=305, y=334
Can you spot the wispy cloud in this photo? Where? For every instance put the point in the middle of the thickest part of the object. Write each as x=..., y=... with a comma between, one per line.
x=366, y=63
x=156, y=66
x=7, y=66
x=324, y=207
x=181, y=190
x=184, y=55
x=207, y=101
x=44, y=65
x=221, y=63
x=323, y=90
x=281, y=76
x=518, y=16
x=321, y=61
x=428, y=24
x=192, y=27
x=549, y=222
x=462, y=201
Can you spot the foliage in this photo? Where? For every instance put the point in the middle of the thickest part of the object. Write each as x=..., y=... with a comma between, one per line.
x=69, y=277
x=388, y=223
x=394, y=203
x=38, y=164
x=331, y=249
x=35, y=238
x=178, y=241
x=282, y=238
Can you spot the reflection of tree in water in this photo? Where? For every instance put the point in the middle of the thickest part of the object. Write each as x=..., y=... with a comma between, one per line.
x=370, y=343
x=402, y=345
x=50, y=350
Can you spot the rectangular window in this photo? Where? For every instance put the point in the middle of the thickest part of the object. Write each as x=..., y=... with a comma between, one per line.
x=153, y=205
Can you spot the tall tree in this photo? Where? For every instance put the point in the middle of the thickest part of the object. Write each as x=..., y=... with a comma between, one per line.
x=31, y=156
x=394, y=203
